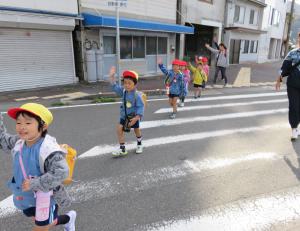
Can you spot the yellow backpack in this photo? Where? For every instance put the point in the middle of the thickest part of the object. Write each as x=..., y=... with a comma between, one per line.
x=144, y=98
x=71, y=155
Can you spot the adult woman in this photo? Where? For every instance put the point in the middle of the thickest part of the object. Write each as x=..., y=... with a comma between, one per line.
x=221, y=62
x=291, y=69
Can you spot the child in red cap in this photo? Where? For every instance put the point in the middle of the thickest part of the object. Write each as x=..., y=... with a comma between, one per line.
x=174, y=79
x=186, y=80
x=131, y=110
x=205, y=69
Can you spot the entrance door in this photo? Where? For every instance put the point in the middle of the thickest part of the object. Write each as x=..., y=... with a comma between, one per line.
x=235, y=46
x=151, y=54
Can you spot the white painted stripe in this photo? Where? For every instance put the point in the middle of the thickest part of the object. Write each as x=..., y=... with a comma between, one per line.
x=178, y=121
x=244, y=96
x=106, y=149
x=192, y=108
x=111, y=186
x=256, y=213
x=187, y=100
x=7, y=207
x=27, y=98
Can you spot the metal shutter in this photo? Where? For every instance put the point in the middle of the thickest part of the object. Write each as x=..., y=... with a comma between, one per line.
x=35, y=58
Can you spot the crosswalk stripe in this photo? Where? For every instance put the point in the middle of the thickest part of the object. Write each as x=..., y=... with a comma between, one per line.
x=192, y=108
x=179, y=121
x=111, y=186
x=242, y=96
x=256, y=213
x=106, y=149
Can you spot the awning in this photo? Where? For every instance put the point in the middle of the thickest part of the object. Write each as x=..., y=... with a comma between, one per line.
x=133, y=24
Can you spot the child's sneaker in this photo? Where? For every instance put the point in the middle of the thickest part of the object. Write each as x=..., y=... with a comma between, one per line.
x=139, y=149
x=70, y=226
x=119, y=152
x=181, y=104
x=173, y=116
x=295, y=134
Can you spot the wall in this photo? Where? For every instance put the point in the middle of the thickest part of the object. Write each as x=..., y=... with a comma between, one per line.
x=63, y=6
x=154, y=10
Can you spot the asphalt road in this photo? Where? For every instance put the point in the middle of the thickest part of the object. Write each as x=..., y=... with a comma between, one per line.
x=225, y=163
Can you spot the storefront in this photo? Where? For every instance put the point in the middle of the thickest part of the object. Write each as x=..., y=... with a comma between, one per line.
x=142, y=43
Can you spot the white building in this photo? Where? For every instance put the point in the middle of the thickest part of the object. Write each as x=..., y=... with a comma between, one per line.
x=207, y=17
x=147, y=33
x=274, y=23
x=36, y=43
x=243, y=29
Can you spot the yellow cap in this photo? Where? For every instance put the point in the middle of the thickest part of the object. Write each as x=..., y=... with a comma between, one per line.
x=34, y=108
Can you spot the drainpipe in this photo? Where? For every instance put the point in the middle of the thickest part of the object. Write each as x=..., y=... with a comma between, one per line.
x=179, y=22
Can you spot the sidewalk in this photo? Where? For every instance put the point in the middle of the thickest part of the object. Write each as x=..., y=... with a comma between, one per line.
x=259, y=74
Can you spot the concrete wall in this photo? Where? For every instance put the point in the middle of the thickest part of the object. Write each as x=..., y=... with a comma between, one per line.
x=63, y=6
x=154, y=10
x=195, y=11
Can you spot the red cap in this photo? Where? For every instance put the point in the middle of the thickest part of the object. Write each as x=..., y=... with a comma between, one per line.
x=183, y=63
x=131, y=74
x=176, y=62
x=204, y=60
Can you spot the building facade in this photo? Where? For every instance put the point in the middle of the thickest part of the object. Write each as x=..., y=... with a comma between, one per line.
x=243, y=29
x=207, y=18
x=274, y=21
x=147, y=33
x=36, y=43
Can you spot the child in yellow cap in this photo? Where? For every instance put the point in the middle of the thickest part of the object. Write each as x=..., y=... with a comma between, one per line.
x=131, y=110
x=39, y=167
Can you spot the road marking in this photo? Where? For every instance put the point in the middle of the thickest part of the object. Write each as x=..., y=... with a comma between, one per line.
x=243, y=77
x=260, y=213
x=107, y=149
x=178, y=121
x=28, y=98
x=192, y=108
x=143, y=180
x=209, y=98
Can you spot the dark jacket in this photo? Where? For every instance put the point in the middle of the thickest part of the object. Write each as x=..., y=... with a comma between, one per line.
x=289, y=70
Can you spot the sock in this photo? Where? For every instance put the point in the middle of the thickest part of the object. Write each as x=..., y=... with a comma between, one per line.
x=63, y=219
x=139, y=140
x=122, y=146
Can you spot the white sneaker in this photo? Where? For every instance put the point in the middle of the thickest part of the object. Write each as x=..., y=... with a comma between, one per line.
x=173, y=116
x=139, y=149
x=70, y=226
x=295, y=134
x=119, y=152
x=181, y=104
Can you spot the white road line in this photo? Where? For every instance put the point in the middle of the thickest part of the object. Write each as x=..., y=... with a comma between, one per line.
x=223, y=97
x=192, y=108
x=261, y=213
x=143, y=180
x=106, y=149
x=178, y=121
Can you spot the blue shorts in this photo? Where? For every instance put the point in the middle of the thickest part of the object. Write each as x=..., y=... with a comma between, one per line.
x=53, y=214
x=136, y=125
x=173, y=96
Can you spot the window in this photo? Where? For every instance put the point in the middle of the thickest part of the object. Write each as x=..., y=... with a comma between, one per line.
x=239, y=14
x=162, y=45
x=275, y=18
x=109, y=44
x=151, y=43
x=252, y=46
x=246, y=47
x=252, y=13
x=126, y=47
x=138, y=47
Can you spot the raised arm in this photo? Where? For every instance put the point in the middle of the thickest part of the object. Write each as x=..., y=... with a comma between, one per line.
x=215, y=51
x=7, y=141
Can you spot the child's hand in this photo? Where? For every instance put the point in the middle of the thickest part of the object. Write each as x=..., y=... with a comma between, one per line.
x=26, y=185
x=112, y=73
x=133, y=121
x=207, y=45
x=159, y=61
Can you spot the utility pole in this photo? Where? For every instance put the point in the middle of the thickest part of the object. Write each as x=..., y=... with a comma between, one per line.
x=289, y=28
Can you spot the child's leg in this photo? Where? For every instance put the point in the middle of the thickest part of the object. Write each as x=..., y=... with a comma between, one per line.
x=199, y=91
x=171, y=101
x=120, y=134
x=175, y=104
x=195, y=92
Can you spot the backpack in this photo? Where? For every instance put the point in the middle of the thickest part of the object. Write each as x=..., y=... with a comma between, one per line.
x=144, y=97
x=71, y=155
